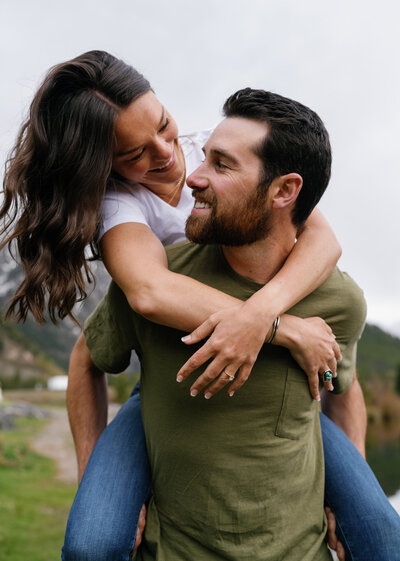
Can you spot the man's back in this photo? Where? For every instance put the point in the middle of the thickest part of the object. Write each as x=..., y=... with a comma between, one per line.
x=237, y=478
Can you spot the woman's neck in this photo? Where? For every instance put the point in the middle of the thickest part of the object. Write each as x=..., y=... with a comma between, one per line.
x=173, y=195
x=171, y=192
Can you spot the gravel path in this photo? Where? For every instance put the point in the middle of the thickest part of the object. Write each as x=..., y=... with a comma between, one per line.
x=55, y=441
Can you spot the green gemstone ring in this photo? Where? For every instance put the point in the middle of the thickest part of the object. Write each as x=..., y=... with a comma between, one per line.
x=328, y=375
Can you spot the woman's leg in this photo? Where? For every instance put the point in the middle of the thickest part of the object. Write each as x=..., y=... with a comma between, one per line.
x=103, y=520
x=367, y=524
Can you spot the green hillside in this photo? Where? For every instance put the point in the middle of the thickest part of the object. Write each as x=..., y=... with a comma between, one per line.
x=378, y=355
x=23, y=363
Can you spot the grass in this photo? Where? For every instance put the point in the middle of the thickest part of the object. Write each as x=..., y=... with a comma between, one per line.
x=33, y=505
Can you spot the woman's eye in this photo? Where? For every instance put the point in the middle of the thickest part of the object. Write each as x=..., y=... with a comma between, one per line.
x=135, y=157
x=165, y=125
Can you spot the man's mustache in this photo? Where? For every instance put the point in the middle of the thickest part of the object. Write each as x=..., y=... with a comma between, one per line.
x=199, y=195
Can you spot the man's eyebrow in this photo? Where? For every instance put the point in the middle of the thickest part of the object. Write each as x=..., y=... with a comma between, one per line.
x=131, y=150
x=223, y=154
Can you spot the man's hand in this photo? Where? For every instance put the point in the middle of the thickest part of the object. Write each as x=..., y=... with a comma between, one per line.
x=331, y=538
x=140, y=529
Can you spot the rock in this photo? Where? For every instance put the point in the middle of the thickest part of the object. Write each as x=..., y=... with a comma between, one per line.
x=8, y=413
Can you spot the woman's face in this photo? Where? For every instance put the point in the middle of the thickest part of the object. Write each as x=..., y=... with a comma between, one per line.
x=147, y=149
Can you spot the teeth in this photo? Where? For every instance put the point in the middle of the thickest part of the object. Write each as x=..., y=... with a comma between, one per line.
x=199, y=204
x=166, y=165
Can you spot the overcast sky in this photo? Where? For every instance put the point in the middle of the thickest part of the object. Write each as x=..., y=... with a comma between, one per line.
x=339, y=57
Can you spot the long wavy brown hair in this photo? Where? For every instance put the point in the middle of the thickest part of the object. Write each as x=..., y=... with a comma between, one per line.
x=56, y=177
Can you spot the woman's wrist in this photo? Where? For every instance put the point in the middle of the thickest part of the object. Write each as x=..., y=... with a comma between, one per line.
x=274, y=330
x=288, y=333
x=261, y=315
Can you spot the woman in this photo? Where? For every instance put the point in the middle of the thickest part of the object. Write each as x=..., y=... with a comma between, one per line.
x=96, y=125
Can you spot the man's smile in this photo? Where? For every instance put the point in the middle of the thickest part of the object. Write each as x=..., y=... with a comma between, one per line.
x=201, y=204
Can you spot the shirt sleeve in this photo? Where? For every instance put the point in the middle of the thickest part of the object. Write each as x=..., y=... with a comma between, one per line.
x=348, y=325
x=110, y=332
x=121, y=207
x=340, y=302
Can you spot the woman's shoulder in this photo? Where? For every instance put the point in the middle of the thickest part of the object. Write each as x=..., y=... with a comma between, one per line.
x=195, y=140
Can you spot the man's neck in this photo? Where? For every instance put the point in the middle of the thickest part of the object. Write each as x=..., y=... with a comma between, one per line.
x=260, y=261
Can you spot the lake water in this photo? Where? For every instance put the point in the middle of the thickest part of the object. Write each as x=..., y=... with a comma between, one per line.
x=383, y=455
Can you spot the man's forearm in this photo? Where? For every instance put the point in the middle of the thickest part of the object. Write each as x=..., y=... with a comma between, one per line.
x=86, y=402
x=349, y=413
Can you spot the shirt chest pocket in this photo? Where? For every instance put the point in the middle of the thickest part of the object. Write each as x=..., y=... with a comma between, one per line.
x=298, y=410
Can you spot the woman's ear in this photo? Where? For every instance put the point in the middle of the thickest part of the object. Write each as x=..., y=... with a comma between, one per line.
x=285, y=190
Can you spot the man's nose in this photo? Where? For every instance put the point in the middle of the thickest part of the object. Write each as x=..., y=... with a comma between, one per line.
x=197, y=179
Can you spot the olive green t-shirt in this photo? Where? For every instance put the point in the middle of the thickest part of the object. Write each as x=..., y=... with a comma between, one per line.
x=237, y=478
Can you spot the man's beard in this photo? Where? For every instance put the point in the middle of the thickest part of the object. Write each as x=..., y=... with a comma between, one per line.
x=247, y=223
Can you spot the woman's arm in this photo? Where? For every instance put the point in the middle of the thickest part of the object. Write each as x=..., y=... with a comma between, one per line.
x=136, y=260
x=311, y=261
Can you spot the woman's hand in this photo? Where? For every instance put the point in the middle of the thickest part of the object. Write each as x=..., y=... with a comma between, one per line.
x=312, y=345
x=237, y=335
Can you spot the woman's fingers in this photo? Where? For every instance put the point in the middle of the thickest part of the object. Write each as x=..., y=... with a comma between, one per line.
x=226, y=376
x=236, y=336
x=195, y=361
x=241, y=377
x=336, y=350
x=204, y=330
x=313, y=384
x=329, y=370
x=213, y=370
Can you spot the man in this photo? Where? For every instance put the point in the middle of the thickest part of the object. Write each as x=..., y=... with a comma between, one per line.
x=242, y=478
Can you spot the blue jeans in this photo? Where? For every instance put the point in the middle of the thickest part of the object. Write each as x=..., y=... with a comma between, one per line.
x=367, y=524
x=103, y=520
x=104, y=516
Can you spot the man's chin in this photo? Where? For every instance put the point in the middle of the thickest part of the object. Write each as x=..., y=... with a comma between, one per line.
x=197, y=229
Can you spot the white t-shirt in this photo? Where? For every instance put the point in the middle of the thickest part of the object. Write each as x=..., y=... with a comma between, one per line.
x=135, y=203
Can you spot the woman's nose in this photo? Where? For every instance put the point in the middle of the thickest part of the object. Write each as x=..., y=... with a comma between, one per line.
x=163, y=150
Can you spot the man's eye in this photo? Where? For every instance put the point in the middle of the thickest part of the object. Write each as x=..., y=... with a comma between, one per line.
x=220, y=165
x=135, y=157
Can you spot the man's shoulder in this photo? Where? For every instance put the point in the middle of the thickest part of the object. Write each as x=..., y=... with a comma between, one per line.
x=340, y=302
x=343, y=287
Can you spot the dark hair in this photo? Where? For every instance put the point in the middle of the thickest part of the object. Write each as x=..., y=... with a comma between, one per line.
x=56, y=177
x=296, y=142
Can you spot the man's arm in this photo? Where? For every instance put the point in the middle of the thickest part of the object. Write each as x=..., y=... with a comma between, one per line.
x=347, y=410
x=87, y=402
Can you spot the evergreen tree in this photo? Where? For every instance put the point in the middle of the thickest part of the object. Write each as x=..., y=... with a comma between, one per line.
x=397, y=384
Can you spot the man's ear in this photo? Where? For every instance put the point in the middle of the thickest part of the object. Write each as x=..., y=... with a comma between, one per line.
x=285, y=190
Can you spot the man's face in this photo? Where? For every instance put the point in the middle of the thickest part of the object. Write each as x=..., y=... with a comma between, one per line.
x=231, y=208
